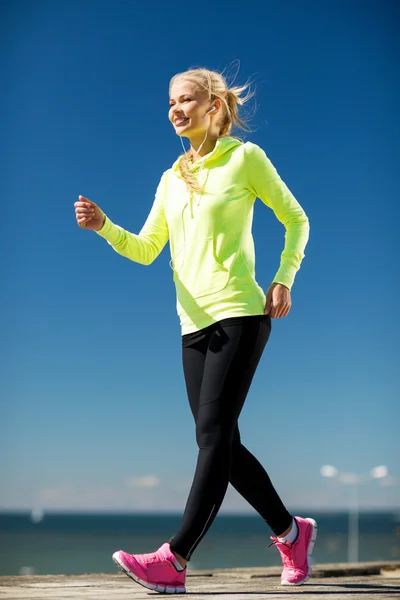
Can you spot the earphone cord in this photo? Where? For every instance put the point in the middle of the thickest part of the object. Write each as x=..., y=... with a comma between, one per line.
x=197, y=202
x=201, y=145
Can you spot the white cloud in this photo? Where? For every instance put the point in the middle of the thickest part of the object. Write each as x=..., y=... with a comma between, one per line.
x=146, y=481
x=65, y=496
x=150, y=493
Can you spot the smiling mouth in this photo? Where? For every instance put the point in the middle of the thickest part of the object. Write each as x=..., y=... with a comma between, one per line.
x=181, y=121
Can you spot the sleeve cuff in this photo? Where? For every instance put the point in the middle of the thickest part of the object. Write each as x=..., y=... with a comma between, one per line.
x=285, y=276
x=109, y=231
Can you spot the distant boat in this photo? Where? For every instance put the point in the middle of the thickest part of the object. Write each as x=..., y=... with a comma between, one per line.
x=37, y=515
x=27, y=571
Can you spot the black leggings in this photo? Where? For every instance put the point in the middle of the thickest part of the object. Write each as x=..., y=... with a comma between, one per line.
x=219, y=368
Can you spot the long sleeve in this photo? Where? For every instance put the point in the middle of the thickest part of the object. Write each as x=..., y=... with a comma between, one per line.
x=144, y=247
x=265, y=183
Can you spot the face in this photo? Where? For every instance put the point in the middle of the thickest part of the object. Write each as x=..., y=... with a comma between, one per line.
x=188, y=108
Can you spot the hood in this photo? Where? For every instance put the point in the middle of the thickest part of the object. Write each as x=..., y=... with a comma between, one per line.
x=223, y=145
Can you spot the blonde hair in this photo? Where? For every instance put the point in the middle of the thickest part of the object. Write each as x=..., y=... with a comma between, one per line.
x=215, y=86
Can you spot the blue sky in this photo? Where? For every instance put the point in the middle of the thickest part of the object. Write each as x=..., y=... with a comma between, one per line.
x=94, y=412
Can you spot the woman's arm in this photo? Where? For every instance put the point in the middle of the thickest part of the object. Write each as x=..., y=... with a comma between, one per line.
x=265, y=183
x=144, y=247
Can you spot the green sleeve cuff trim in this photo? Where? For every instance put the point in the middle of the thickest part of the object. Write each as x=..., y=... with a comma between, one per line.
x=109, y=231
x=285, y=275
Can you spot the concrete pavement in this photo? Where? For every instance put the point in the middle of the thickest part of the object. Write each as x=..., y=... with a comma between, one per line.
x=367, y=581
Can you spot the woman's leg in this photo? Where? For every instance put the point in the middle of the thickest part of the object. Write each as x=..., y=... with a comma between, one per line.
x=251, y=480
x=230, y=362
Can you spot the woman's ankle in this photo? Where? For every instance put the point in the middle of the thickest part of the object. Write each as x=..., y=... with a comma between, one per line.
x=182, y=561
x=286, y=532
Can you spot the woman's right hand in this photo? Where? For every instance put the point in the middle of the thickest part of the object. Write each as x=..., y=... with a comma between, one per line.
x=88, y=214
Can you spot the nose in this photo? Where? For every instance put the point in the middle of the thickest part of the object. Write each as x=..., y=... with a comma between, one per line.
x=176, y=109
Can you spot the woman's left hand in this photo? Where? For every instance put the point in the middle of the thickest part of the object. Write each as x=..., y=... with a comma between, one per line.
x=278, y=301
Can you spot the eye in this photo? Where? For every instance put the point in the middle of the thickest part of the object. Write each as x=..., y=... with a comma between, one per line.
x=184, y=100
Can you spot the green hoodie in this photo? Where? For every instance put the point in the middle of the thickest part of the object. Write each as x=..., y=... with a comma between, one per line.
x=211, y=242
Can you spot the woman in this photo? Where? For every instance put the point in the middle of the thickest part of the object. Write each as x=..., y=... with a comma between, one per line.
x=204, y=207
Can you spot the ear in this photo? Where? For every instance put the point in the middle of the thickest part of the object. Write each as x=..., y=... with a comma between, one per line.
x=218, y=105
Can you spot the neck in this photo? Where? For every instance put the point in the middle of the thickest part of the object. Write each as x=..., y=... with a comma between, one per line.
x=206, y=148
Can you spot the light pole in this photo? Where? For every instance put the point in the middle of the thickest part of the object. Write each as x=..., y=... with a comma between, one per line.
x=353, y=481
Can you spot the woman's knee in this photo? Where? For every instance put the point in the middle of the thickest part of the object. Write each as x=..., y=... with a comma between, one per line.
x=214, y=435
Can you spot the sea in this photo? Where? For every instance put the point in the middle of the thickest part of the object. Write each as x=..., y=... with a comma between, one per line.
x=53, y=543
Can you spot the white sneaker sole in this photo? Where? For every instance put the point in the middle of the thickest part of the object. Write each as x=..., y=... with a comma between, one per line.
x=310, y=550
x=163, y=589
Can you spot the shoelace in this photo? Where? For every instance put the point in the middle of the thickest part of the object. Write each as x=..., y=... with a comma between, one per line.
x=287, y=544
x=152, y=557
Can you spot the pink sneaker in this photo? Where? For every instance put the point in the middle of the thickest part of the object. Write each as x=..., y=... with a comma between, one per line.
x=296, y=557
x=155, y=571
